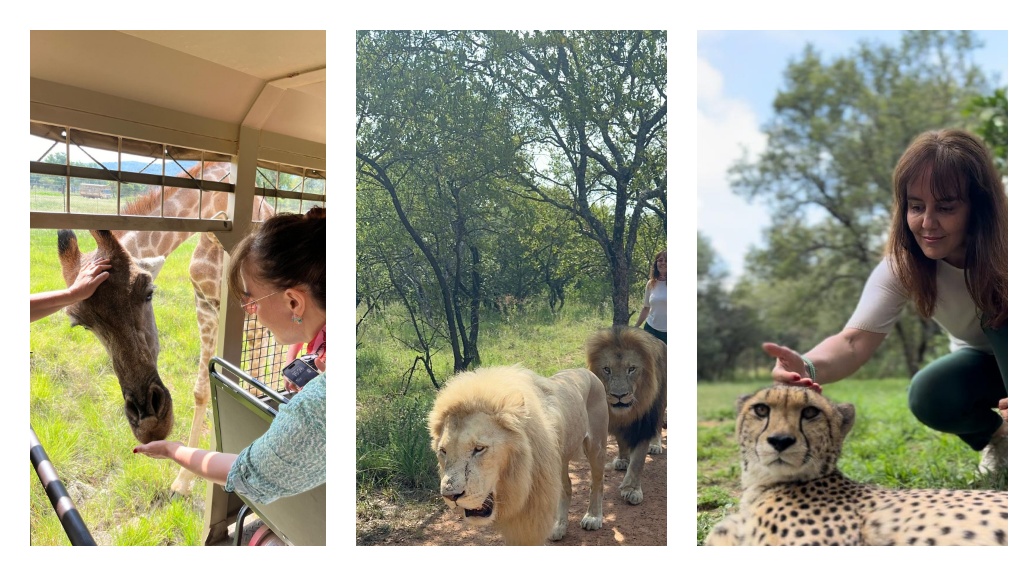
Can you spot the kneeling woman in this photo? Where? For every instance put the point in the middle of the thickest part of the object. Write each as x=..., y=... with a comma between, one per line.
x=279, y=273
x=947, y=254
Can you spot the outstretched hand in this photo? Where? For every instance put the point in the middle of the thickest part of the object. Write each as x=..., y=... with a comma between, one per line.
x=1004, y=409
x=789, y=367
x=157, y=449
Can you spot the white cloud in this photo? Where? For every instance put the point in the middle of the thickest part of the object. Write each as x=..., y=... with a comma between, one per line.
x=724, y=127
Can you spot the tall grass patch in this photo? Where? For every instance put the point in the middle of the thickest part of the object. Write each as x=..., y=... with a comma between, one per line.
x=887, y=446
x=77, y=410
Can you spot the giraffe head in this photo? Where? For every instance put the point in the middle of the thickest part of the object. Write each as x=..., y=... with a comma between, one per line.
x=120, y=313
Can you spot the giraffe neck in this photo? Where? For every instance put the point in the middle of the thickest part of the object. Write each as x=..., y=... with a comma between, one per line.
x=177, y=203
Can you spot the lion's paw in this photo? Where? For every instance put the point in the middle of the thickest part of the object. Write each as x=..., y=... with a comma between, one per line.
x=558, y=532
x=656, y=449
x=621, y=463
x=632, y=495
x=591, y=522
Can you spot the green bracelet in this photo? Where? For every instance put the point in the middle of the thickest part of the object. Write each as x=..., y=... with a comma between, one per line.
x=810, y=368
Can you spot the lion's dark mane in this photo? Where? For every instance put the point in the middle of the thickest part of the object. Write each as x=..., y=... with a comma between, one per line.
x=647, y=426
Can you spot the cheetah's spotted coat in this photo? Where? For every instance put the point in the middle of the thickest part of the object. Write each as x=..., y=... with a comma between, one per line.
x=790, y=438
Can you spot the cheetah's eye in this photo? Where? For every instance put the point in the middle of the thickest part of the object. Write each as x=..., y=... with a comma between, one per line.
x=761, y=410
x=809, y=412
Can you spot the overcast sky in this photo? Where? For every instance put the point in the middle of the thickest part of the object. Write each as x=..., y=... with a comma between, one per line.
x=738, y=74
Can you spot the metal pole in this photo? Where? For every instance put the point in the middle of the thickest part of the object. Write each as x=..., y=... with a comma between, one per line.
x=72, y=521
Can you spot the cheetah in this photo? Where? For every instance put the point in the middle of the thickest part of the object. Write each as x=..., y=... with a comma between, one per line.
x=790, y=438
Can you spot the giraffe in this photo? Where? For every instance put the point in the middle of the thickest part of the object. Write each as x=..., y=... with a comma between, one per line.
x=204, y=271
x=120, y=313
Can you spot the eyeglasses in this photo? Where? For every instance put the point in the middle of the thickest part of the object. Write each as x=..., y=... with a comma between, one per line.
x=251, y=306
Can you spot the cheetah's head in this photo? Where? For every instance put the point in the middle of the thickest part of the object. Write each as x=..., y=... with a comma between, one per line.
x=789, y=433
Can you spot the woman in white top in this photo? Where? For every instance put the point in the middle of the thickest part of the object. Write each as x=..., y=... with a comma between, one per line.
x=947, y=253
x=654, y=315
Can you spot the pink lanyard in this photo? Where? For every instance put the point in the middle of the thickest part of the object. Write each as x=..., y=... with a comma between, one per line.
x=319, y=345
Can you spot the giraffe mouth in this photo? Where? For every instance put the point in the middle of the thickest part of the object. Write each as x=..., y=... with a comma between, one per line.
x=150, y=413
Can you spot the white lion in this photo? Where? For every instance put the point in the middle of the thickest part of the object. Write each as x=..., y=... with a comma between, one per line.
x=504, y=437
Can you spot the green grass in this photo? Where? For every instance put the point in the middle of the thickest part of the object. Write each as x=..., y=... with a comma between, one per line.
x=77, y=412
x=49, y=201
x=887, y=446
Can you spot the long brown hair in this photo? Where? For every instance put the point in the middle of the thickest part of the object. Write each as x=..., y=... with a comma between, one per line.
x=655, y=272
x=285, y=251
x=961, y=168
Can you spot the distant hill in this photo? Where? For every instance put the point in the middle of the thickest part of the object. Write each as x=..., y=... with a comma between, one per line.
x=136, y=166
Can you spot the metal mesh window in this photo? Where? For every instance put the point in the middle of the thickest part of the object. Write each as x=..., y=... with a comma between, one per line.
x=262, y=357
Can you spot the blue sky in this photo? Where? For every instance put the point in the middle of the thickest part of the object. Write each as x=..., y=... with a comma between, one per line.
x=738, y=75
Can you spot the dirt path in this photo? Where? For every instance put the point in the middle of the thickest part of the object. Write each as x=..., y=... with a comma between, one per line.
x=624, y=525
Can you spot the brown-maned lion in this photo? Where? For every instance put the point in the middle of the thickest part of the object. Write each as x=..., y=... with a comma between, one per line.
x=504, y=437
x=632, y=365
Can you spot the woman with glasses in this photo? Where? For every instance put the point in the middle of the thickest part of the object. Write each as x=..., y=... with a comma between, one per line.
x=279, y=273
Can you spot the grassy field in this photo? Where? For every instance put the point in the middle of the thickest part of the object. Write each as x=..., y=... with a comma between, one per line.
x=395, y=468
x=77, y=412
x=48, y=201
x=887, y=446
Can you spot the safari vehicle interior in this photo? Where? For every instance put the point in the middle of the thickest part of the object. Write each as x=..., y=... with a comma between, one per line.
x=114, y=111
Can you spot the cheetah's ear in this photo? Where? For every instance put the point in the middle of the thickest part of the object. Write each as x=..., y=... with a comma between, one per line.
x=848, y=413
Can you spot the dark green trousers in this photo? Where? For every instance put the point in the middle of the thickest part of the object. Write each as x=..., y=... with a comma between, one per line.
x=957, y=393
x=663, y=336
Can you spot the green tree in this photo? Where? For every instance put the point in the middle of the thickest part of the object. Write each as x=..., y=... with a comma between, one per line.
x=461, y=189
x=726, y=327
x=991, y=117
x=598, y=105
x=436, y=142
x=536, y=252
x=839, y=128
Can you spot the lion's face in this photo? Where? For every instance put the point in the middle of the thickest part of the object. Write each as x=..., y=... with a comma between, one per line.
x=620, y=369
x=631, y=365
x=789, y=433
x=472, y=453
